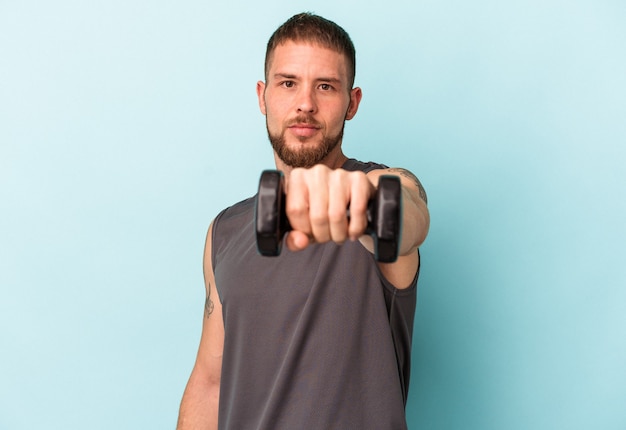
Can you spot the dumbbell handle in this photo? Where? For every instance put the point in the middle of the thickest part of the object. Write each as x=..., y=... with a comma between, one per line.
x=384, y=213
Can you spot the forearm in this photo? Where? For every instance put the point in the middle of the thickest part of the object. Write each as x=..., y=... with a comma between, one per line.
x=199, y=406
x=415, y=225
x=415, y=221
x=415, y=216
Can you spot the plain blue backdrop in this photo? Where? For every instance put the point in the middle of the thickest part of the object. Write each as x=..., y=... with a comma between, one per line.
x=125, y=126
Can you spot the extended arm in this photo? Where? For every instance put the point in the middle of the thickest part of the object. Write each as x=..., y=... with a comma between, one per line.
x=199, y=406
x=316, y=207
x=415, y=225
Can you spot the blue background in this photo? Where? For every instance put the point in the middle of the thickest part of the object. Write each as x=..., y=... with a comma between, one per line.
x=125, y=126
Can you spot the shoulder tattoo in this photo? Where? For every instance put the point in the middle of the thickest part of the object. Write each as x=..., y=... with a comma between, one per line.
x=208, y=304
x=405, y=173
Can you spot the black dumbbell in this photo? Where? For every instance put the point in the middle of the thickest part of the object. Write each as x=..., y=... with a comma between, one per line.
x=384, y=212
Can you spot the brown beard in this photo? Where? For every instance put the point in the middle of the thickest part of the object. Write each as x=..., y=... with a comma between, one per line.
x=303, y=157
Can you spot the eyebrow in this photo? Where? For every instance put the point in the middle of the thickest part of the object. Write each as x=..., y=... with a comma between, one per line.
x=284, y=76
x=321, y=79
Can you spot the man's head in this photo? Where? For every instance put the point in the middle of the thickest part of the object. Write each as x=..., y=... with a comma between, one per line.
x=308, y=93
x=315, y=30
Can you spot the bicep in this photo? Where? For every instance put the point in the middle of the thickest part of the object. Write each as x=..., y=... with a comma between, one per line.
x=209, y=360
x=410, y=181
x=200, y=403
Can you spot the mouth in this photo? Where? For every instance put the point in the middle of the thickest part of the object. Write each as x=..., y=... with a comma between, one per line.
x=304, y=129
x=303, y=132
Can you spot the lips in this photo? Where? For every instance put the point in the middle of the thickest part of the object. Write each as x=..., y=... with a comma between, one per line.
x=304, y=128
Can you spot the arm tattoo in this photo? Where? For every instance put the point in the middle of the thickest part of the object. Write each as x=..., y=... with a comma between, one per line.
x=412, y=177
x=208, y=304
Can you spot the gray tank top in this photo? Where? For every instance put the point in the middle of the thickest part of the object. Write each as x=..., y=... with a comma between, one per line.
x=316, y=339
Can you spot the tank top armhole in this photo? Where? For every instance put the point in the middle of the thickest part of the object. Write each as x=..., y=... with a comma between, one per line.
x=401, y=291
x=214, y=245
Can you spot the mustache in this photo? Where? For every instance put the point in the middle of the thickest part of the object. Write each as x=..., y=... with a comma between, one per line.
x=303, y=119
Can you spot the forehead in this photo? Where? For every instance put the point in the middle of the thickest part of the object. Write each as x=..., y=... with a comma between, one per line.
x=294, y=56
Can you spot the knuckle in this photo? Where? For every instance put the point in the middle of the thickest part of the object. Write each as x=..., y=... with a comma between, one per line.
x=318, y=220
x=296, y=209
x=316, y=171
x=336, y=216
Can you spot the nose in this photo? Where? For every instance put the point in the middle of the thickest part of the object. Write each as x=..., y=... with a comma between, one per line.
x=306, y=101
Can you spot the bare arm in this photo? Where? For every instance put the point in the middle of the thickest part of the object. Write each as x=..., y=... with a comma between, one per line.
x=199, y=406
x=316, y=206
x=415, y=225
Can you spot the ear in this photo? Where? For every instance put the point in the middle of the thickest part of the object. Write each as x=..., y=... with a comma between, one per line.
x=355, y=99
x=260, y=93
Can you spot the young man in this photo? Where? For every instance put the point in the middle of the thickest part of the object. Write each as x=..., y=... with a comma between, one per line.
x=319, y=337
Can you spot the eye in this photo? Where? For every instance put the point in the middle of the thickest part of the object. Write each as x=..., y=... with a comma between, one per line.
x=287, y=84
x=326, y=87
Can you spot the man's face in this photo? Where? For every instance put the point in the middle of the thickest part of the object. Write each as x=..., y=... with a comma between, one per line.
x=306, y=101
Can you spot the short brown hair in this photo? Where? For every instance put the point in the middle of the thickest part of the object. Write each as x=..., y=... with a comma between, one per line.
x=308, y=27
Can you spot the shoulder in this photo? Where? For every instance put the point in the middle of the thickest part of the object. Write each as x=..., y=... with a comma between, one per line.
x=237, y=209
x=232, y=225
x=353, y=165
x=238, y=213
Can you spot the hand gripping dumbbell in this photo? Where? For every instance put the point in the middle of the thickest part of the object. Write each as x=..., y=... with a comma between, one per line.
x=384, y=213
